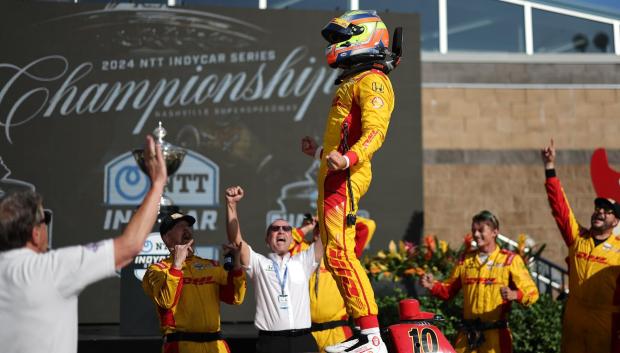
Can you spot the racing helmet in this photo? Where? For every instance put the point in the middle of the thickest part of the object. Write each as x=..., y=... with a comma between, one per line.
x=358, y=36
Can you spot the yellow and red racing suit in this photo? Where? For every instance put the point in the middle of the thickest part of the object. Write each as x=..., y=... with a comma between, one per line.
x=591, y=320
x=481, y=283
x=188, y=300
x=326, y=304
x=361, y=110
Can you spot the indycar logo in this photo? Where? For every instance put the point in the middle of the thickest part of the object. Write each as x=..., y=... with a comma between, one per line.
x=195, y=187
x=153, y=251
x=196, y=183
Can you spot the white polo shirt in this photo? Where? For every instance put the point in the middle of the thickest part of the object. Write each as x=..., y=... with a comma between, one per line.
x=278, y=308
x=39, y=295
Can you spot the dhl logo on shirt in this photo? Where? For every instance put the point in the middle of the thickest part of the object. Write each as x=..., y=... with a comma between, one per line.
x=198, y=280
x=372, y=134
x=592, y=258
x=480, y=280
x=490, y=264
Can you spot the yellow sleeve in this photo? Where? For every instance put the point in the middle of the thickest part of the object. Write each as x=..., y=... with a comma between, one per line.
x=163, y=285
x=375, y=98
x=520, y=276
x=233, y=291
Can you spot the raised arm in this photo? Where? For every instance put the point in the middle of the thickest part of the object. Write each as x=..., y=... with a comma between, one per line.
x=233, y=195
x=560, y=207
x=548, y=156
x=131, y=241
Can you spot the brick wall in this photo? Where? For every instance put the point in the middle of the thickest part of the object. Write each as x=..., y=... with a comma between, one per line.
x=481, y=152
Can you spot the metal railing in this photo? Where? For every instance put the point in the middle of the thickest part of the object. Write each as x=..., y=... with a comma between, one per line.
x=550, y=277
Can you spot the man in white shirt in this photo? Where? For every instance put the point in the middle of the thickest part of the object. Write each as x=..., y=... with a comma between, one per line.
x=39, y=288
x=280, y=283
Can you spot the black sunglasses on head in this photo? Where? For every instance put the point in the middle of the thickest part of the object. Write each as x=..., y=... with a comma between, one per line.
x=47, y=217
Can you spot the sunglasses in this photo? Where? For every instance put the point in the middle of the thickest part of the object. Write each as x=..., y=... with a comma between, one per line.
x=47, y=218
x=283, y=228
x=605, y=210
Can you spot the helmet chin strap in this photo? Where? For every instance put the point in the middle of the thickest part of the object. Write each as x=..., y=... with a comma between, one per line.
x=382, y=65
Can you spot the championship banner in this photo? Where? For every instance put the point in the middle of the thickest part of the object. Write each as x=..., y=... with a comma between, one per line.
x=82, y=84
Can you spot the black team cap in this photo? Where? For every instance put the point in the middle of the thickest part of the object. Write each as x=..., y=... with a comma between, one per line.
x=171, y=219
x=609, y=204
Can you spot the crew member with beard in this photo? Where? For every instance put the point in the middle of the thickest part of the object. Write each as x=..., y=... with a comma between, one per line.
x=591, y=320
x=187, y=290
x=280, y=283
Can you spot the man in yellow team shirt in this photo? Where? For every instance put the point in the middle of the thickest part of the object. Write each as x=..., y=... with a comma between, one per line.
x=491, y=278
x=591, y=320
x=356, y=127
x=187, y=291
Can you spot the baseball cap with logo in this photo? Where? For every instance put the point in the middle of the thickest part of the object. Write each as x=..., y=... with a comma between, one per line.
x=169, y=221
x=608, y=204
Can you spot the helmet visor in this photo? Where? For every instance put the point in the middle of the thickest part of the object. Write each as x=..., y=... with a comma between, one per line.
x=336, y=33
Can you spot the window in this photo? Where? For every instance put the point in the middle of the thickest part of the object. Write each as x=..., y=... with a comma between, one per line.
x=226, y=3
x=336, y=5
x=427, y=9
x=555, y=33
x=485, y=25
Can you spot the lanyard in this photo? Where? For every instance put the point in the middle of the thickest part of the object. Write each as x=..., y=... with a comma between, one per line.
x=277, y=269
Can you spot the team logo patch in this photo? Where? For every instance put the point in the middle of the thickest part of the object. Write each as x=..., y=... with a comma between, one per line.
x=375, y=341
x=377, y=102
x=377, y=87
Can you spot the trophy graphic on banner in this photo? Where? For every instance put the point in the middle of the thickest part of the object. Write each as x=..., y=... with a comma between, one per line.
x=173, y=155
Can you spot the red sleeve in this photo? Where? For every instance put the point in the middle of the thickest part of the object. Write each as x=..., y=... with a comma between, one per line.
x=561, y=210
x=446, y=290
x=449, y=288
x=227, y=291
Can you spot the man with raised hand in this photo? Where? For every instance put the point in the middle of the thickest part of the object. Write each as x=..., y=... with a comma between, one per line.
x=187, y=290
x=40, y=288
x=591, y=321
x=280, y=283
